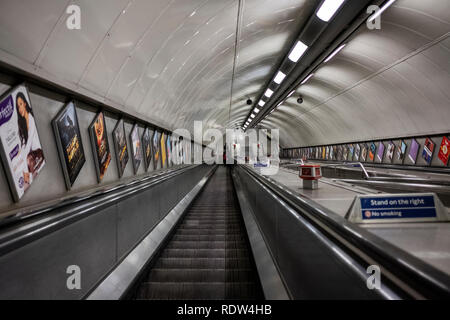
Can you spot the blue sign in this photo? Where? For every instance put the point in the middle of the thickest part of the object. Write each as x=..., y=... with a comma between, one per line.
x=259, y=165
x=398, y=207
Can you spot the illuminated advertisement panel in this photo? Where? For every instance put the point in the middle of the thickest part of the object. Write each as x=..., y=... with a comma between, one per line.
x=169, y=151
x=68, y=140
x=351, y=151
x=120, y=144
x=100, y=145
x=428, y=149
x=444, y=150
x=20, y=146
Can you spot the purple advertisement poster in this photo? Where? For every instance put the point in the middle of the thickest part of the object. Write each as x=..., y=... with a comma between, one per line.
x=380, y=152
x=413, y=151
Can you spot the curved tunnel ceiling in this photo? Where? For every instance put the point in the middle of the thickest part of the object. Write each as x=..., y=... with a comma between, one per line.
x=171, y=62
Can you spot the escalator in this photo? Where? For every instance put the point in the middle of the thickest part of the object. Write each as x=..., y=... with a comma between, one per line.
x=208, y=256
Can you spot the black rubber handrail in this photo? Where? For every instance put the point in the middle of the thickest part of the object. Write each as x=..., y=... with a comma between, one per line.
x=417, y=275
x=44, y=221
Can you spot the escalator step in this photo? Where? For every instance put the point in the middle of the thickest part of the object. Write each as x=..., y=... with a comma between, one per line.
x=203, y=263
x=201, y=275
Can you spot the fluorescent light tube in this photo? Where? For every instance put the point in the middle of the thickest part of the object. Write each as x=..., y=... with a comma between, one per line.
x=252, y=115
x=268, y=93
x=298, y=51
x=279, y=77
x=328, y=9
x=261, y=103
x=334, y=53
x=307, y=78
x=256, y=110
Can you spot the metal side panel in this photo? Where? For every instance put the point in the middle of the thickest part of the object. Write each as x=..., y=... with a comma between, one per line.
x=38, y=269
x=269, y=276
x=115, y=285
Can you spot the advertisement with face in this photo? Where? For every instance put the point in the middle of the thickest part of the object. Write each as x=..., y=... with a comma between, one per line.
x=100, y=145
x=136, y=148
x=68, y=141
x=20, y=149
x=120, y=144
x=147, y=148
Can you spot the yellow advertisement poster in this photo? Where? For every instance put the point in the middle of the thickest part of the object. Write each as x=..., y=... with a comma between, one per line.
x=163, y=150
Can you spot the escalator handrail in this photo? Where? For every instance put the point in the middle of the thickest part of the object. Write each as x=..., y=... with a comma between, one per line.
x=420, y=276
x=44, y=221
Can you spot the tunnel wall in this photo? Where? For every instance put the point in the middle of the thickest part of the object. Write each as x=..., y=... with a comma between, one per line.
x=50, y=184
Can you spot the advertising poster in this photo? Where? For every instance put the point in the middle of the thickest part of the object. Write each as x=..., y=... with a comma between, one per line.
x=333, y=157
x=413, y=151
x=357, y=152
x=331, y=152
x=428, y=149
x=169, y=151
x=164, y=151
x=372, y=150
x=317, y=152
x=444, y=150
x=351, y=151
x=20, y=146
x=344, y=153
x=323, y=152
x=390, y=151
x=327, y=155
x=136, y=148
x=68, y=140
x=401, y=151
x=120, y=144
x=364, y=152
x=380, y=153
x=147, y=148
x=100, y=145
x=156, y=149
x=339, y=153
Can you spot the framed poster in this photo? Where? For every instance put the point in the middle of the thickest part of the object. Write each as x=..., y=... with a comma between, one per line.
x=331, y=152
x=156, y=149
x=428, y=149
x=136, y=148
x=357, y=152
x=380, y=152
x=169, y=151
x=413, y=151
x=324, y=151
x=334, y=153
x=351, y=151
x=390, y=151
x=120, y=144
x=339, y=153
x=344, y=152
x=364, y=152
x=372, y=150
x=164, y=151
x=100, y=145
x=444, y=150
x=68, y=141
x=401, y=151
x=147, y=148
x=327, y=155
x=20, y=146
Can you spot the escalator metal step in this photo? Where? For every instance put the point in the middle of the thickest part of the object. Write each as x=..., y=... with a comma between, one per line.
x=208, y=256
